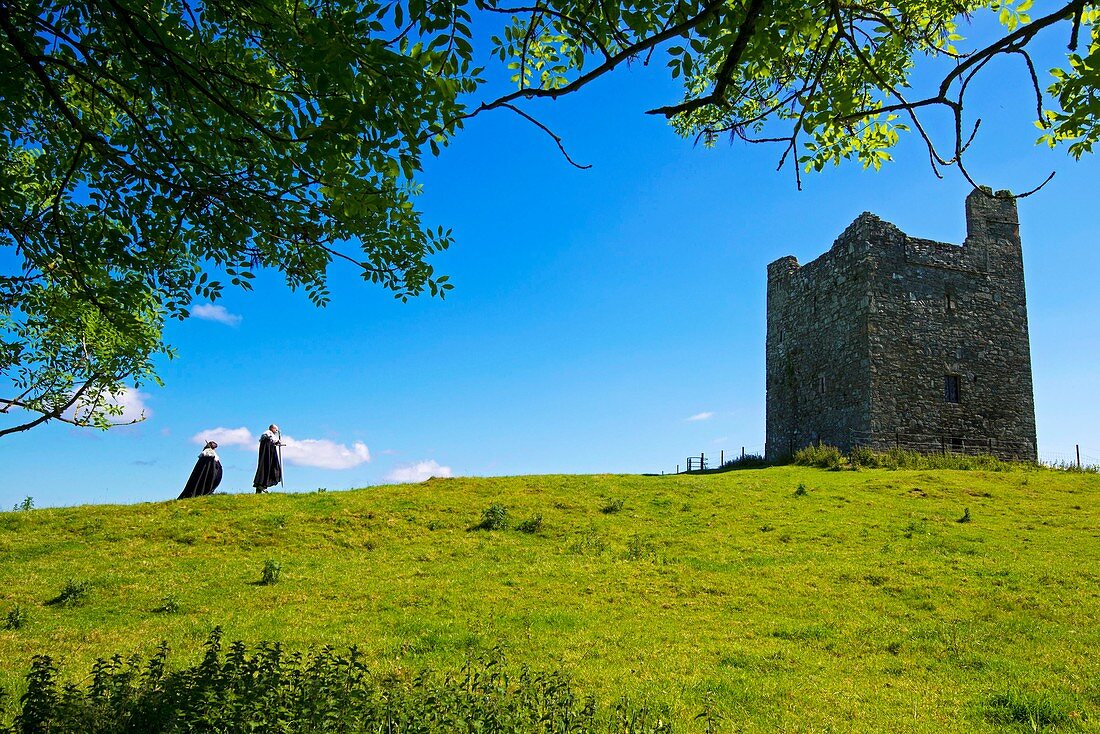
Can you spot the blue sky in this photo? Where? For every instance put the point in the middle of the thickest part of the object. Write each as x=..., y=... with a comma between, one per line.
x=595, y=313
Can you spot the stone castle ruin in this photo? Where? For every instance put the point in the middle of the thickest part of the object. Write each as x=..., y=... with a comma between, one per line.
x=888, y=340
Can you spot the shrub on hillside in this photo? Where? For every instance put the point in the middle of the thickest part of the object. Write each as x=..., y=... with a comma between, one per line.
x=863, y=457
x=271, y=572
x=493, y=517
x=16, y=619
x=821, y=455
x=748, y=461
x=73, y=594
x=905, y=459
x=268, y=689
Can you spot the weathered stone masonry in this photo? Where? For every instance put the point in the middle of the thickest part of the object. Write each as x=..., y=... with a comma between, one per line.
x=888, y=340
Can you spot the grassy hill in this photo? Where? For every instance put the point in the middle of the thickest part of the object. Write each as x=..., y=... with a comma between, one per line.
x=795, y=599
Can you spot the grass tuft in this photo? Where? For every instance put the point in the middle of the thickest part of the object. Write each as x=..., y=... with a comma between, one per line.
x=1034, y=710
x=73, y=594
x=531, y=525
x=612, y=506
x=169, y=604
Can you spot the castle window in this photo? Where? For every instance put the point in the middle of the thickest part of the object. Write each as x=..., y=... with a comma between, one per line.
x=950, y=300
x=951, y=390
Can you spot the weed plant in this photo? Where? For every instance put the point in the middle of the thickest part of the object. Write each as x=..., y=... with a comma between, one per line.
x=748, y=461
x=493, y=517
x=169, y=604
x=24, y=506
x=73, y=594
x=17, y=618
x=640, y=547
x=267, y=689
x=612, y=506
x=530, y=525
x=271, y=572
x=824, y=456
x=589, y=543
x=821, y=456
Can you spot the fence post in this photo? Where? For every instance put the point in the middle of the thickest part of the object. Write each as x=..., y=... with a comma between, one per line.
x=677, y=468
x=722, y=458
x=943, y=445
x=1078, y=447
x=702, y=461
x=742, y=453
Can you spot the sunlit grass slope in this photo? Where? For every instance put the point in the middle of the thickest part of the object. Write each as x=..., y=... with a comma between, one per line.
x=858, y=604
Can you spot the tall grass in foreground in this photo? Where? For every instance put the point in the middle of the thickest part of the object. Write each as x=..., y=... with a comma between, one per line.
x=269, y=690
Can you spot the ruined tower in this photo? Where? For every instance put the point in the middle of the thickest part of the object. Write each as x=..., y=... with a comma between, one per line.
x=891, y=341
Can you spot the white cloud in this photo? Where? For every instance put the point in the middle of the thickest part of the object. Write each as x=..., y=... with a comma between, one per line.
x=210, y=312
x=133, y=405
x=701, y=416
x=316, y=452
x=226, y=437
x=419, y=472
x=324, y=454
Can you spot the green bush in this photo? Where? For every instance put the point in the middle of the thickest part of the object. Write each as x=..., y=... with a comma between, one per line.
x=748, y=461
x=863, y=457
x=267, y=689
x=271, y=572
x=493, y=517
x=821, y=455
x=16, y=619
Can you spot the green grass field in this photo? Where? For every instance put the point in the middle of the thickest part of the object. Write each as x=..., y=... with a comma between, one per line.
x=860, y=604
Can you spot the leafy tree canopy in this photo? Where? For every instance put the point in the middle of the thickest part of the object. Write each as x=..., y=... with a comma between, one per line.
x=155, y=151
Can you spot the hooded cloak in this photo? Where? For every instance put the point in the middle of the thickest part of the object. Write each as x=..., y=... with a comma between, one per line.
x=205, y=477
x=268, y=470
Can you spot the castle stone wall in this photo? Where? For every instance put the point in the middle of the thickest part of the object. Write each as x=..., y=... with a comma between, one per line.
x=862, y=342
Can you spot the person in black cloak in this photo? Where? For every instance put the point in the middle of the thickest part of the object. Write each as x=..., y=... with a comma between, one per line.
x=269, y=470
x=207, y=474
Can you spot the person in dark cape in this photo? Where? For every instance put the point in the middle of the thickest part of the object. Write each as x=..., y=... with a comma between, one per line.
x=207, y=474
x=269, y=470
